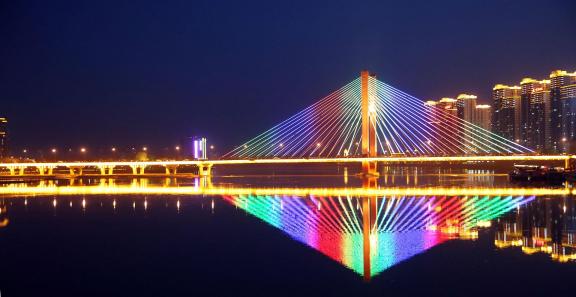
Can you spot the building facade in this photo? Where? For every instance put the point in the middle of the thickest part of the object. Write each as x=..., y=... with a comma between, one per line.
x=568, y=99
x=483, y=116
x=535, y=114
x=506, y=112
x=466, y=106
x=3, y=138
x=563, y=109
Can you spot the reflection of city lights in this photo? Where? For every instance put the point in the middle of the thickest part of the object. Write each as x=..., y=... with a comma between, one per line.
x=23, y=189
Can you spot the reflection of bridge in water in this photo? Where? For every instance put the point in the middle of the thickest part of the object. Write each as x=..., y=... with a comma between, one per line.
x=369, y=235
x=368, y=229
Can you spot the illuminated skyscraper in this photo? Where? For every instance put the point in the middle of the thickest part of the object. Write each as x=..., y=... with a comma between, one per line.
x=535, y=104
x=483, y=116
x=568, y=99
x=466, y=107
x=448, y=105
x=3, y=138
x=562, y=108
x=506, y=111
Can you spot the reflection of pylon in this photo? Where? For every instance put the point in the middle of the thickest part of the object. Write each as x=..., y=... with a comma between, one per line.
x=369, y=218
x=368, y=126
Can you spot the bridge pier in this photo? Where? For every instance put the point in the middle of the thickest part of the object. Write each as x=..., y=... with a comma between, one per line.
x=12, y=170
x=138, y=169
x=204, y=169
x=569, y=162
x=45, y=170
x=75, y=170
x=370, y=169
x=106, y=170
x=171, y=169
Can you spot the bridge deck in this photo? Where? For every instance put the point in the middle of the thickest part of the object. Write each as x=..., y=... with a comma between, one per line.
x=299, y=160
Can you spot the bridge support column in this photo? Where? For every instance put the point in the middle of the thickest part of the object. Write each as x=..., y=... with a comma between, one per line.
x=12, y=170
x=21, y=170
x=76, y=170
x=569, y=162
x=204, y=169
x=138, y=169
x=106, y=170
x=171, y=169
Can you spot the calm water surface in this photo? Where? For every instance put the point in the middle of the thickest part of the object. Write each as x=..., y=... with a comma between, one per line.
x=280, y=235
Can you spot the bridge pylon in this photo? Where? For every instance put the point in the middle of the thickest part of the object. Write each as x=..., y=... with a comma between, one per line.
x=369, y=148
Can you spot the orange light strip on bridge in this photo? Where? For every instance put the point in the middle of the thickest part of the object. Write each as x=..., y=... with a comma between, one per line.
x=107, y=189
x=302, y=160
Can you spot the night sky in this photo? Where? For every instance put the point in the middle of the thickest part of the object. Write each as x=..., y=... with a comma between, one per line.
x=154, y=72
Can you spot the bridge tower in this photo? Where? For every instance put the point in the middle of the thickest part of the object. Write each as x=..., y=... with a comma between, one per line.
x=368, y=125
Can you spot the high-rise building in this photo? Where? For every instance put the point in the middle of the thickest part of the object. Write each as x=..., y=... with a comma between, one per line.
x=466, y=106
x=506, y=112
x=483, y=116
x=562, y=109
x=568, y=99
x=535, y=106
x=3, y=138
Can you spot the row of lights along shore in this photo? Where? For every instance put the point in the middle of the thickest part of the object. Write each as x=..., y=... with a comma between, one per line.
x=112, y=149
x=197, y=151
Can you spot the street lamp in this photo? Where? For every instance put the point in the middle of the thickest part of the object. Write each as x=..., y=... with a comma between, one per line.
x=53, y=150
x=83, y=150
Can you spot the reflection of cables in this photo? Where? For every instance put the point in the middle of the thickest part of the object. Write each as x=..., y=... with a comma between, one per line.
x=405, y=225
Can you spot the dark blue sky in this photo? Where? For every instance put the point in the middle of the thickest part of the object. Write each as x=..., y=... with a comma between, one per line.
x=153, y=72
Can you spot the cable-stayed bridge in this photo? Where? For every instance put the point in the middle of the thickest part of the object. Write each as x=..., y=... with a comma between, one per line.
x=369, y=118
x=366, y=121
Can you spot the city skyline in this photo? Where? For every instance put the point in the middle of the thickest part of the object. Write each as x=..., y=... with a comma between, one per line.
x=476, y=112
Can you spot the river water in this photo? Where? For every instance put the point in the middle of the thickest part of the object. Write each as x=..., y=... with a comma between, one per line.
x=413, y=231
